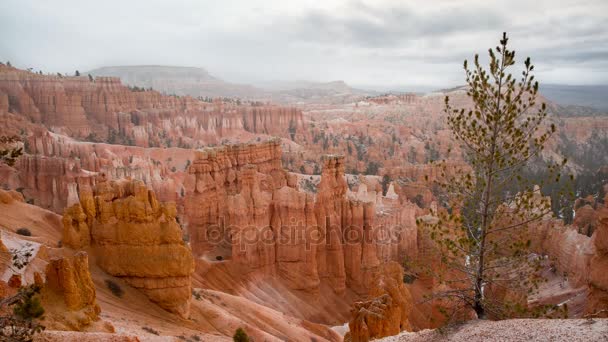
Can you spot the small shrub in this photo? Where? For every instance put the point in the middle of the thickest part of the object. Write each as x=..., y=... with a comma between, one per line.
x=22, y=323
x=150, y=330
x=240, y=336
x=29, y=306
x=196, y=337
x=114, y=288
x=409, y=278
x=219, y=258
x=24, y=232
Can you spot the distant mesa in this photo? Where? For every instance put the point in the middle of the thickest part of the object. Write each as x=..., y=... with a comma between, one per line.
x=178, y=81
x=199, y=82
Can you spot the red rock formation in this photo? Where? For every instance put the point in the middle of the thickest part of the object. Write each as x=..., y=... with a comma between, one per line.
x=70, y=276
x=570, y=251
x=134, y=237
x=408, y=98
x=69, y=294
x=76, y=233
x=243, y=209
x=586, y=217
x=106, y=110
x=294, y=222
x=228, y=190
x=3, y=103
x=330, y=209
x=597, y=302
x=387, y=313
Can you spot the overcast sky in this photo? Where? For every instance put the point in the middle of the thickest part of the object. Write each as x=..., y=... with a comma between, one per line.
x=379, y=43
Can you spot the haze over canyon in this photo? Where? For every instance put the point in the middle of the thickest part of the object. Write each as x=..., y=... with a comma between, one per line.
x=273, y=171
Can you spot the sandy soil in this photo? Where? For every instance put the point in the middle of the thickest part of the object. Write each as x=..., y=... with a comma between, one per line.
x=45, y=225
x=514, y=330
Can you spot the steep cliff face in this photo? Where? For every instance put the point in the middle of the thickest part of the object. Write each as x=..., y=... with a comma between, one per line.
x=331, y=211
x=228, y=198
x=104, y=110
x=134, y=237
x=242, y=208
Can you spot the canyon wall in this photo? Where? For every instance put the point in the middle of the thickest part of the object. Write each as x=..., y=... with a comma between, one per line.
x=104, y=110
x=125, y=130
x=242, y=208
x=56, y=162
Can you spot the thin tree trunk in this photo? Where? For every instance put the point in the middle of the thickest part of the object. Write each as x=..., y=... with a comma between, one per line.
x=478, y=305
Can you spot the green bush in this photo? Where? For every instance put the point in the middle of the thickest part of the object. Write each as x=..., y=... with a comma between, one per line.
x=114, y=288
x=24, y=232
x=23, y=322
x=240, y=336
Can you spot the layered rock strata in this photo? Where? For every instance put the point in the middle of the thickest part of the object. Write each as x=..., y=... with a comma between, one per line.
x=103, y=109
x=69, y=293
x=135, y=237
x=242, y=206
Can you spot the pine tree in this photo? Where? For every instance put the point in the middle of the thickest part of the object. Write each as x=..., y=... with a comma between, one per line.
x=482, y=238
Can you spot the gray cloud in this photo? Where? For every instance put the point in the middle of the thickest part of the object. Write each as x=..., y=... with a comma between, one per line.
x=376, y=43
x=391, y=26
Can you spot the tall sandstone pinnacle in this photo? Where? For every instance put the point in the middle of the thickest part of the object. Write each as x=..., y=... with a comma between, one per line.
x=68, y=293
x=135, y=237
x=242, y=207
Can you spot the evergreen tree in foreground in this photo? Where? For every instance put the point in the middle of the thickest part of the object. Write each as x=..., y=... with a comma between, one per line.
x=483, y=237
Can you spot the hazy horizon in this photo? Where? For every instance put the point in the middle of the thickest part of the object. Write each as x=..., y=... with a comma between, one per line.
x=377, y=45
